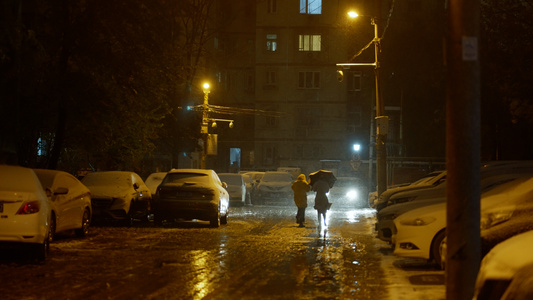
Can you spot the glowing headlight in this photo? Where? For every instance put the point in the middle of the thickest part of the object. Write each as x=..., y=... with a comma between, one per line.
x=418, y=221
x=352, y=194
x=493, y=218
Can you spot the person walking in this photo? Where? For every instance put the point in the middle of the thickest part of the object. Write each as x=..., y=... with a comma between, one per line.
x=300, y=188
x=321, y=187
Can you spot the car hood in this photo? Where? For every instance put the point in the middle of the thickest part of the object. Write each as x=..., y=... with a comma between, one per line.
x=400, y=208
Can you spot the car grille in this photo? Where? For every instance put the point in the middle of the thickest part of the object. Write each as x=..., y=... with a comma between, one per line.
x=101, y=203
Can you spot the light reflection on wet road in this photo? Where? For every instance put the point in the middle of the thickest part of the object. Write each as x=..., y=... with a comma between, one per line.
x=261, y=253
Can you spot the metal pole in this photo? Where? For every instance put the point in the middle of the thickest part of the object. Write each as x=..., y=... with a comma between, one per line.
x=204, y=128
x=381, y=150
x=462, y=149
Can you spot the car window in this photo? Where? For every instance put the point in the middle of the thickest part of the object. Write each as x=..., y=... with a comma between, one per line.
x=186, y=177
x=269, y=177
x=345, y=183
x=65, y=180
x=230, y=179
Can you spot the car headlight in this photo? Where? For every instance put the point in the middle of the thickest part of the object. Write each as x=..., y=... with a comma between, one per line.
x=418, y=221
x=493, y=218
x=351, y=194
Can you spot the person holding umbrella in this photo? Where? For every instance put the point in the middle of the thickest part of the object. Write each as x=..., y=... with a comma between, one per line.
x=300, y=188
x=321, y=181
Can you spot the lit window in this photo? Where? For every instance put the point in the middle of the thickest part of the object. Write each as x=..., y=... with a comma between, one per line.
x=309, y=80
x=310, y=42
x=311, y=7
x=272, y=42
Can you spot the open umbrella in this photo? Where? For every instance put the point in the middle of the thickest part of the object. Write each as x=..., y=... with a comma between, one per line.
x=326, y=175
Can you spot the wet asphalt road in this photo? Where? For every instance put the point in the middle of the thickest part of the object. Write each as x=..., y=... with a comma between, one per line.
x=260, y=254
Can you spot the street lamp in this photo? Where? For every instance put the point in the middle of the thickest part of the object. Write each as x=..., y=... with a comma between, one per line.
x=381, y=119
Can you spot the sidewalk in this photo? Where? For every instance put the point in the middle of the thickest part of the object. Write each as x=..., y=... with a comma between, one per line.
x=411, y=279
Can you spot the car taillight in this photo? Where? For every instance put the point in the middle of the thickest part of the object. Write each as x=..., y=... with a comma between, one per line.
x=29, y=208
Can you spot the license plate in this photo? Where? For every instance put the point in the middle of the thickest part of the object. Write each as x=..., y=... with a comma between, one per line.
x=1, y=207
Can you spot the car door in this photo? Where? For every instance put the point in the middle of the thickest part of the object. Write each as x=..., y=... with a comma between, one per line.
x=68, y=198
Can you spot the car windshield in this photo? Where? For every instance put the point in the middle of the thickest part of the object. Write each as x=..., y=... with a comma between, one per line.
x=270, y=177
x=231, y=179
x=104, y=179
x=186, y=177
x=344, y=183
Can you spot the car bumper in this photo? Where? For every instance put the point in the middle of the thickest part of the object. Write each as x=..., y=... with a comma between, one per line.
x=24, y=229
x=186, y=210
x=385, y=230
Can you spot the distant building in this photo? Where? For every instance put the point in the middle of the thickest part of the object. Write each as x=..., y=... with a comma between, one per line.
x=281, y=56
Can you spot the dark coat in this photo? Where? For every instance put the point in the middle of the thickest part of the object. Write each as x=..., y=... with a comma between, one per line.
x=321, y=187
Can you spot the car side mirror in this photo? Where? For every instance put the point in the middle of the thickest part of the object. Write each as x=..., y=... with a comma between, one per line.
x=225, y=185
x=61, y=191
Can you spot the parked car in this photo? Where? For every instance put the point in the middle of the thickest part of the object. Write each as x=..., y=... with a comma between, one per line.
x=385, y=217
x=348, y=191
x=153, y=180
x=118, y=195
x=70, y=202
x=192, y=194
x=24, y=211
x=236, y=188
x=420, y=232
x=506, y=272
x=432, y=182
x=256, y=178
x=275, y=187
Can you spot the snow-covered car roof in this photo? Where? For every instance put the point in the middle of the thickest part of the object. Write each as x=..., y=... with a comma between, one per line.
x=21, y=179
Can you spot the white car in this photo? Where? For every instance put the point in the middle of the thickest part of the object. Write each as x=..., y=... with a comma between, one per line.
x=153, y=180
x=70, y=201
x=433, y=180
x=119, y=195
x=191, y=194
x=24, y=210
x=507, y=270
x=236, y=188
x=275, y=187
x=420, y=232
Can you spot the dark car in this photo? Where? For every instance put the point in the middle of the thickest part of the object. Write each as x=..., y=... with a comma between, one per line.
x=191, y=194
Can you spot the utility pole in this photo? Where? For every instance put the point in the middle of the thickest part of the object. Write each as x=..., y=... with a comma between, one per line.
x=205, y=125
x=463, y=149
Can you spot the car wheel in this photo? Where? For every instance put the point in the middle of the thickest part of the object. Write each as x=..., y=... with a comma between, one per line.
x=40, y=251
x=215, y=221
x=85, y=222
x=129, y=216
x=224, y=219
x=436, y=247
x=52, y=234
x=158, y=218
